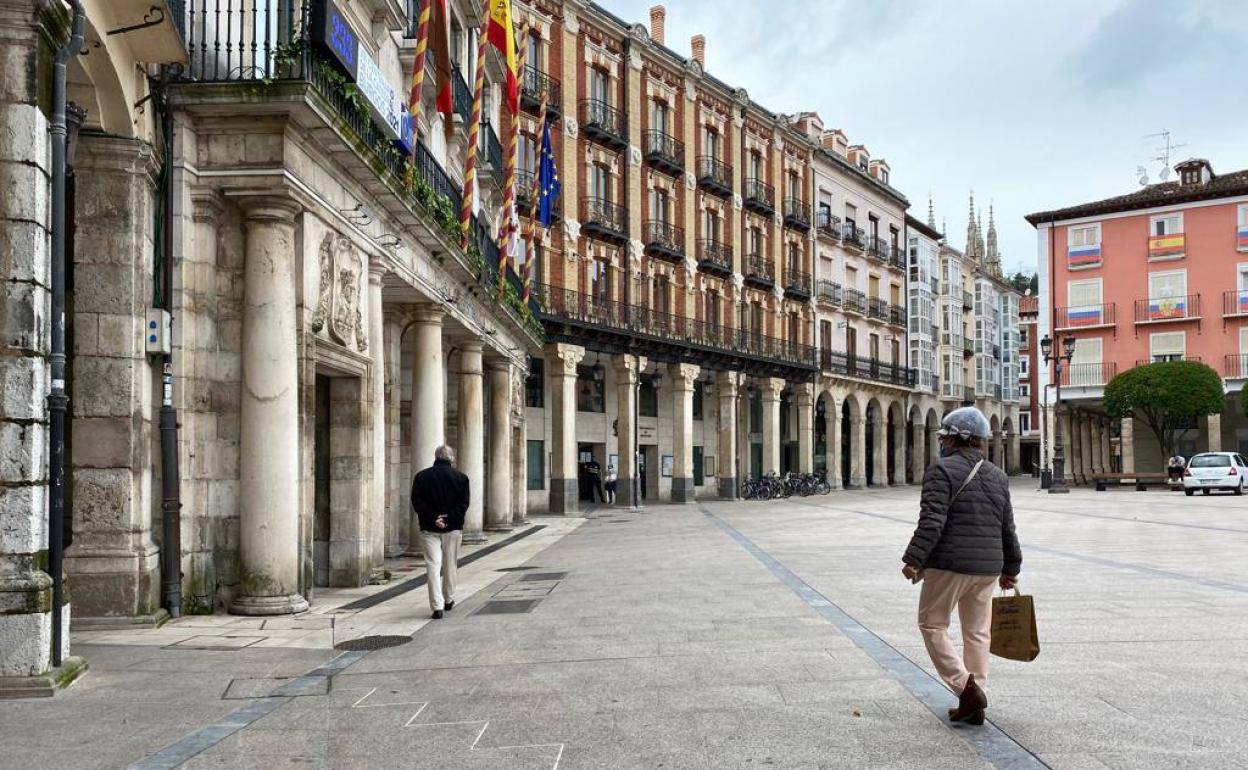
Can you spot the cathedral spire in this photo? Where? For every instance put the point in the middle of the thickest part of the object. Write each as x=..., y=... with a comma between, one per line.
x=971, y=230
x=931, y=213
x=992, y=258
x=979, y=235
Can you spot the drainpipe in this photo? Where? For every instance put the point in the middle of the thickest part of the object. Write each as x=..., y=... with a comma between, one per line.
x=57, y=400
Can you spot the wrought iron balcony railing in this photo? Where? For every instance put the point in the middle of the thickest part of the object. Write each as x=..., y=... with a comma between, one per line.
x=877, y=248
x=829, y=292
x=1235, y=366
x=853, y=237
x=828, y=225
x=604, y=124
x=1235, y=303
x=492, y=149
x=797, y=214
x=714, y=176
x=1086, y=316
x=1164, y=309
x=715, y=256
x=877, y=308
x=604, y=220
x=1088, y=375
x=760, y=197
x=968, y=300
x=896, y=315
x=853, y=365
x=535, y=86
x=462, y=95
x=855, y=301
x=664, y=151
x=664, y=240
x=897, y=257
x=796, y=283
x=759, y=271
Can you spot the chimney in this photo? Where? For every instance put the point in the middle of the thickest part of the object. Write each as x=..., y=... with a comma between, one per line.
x=698, y=44
x=658, y=15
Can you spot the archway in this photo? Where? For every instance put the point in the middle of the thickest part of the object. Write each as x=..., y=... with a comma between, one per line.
x=826, y=441
x=875, y=442
x=1008, y=442
x=853, y=449
x=994, y=441
x=916, y=454
x=931, y=425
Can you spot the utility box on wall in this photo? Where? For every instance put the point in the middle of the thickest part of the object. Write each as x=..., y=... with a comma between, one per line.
x=158, y=332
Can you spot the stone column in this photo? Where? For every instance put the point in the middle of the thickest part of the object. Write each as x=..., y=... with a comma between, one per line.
x=520, y=473
x=268, y=535
x=1098, y=458
x=627, y=368
x=804, y=398
x=879, y=449
x=1213, y=436
x=1107, y=448
x=1012, y=453
x=561, y=361
x=998, y=455
x=858, y=450
x=726, y=387
x=899, y=452
x=1127, y=431
x=470, y=428
x=918, y=454
x=1085, y=440
x=397, y=483
x=684, y=379
x=376, y=516
x=498, y=504
x=770, y=388
x=832, y=448
x=933, y=444
x=428, y=413
x=1069, y=443
x=743, y=437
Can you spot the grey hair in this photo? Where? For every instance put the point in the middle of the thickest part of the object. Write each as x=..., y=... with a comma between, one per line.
x=444, y=453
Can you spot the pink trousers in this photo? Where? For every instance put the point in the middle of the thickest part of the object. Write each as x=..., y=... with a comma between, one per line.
x=971, y=595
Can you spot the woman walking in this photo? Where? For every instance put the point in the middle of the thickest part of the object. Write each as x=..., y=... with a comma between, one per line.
x=963, y=547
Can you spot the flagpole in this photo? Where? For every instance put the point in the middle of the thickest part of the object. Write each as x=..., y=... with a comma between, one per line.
x=474, y=135
x=418, y=79
x=509, y=175
x=531, y=227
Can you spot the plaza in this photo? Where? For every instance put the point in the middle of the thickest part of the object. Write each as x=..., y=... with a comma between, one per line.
x=714, y=635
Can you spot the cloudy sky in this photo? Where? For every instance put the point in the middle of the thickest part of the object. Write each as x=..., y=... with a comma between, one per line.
x=1034, y=105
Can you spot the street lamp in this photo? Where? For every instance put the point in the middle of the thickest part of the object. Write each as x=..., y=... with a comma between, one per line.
x=1059, y=453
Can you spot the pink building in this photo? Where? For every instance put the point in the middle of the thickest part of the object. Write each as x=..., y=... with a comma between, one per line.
x=1158, y=274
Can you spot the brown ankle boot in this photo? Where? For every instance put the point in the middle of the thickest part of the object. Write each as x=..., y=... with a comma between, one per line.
x=971, y=703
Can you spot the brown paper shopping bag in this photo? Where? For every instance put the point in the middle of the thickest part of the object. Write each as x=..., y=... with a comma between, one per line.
x=1014, y=633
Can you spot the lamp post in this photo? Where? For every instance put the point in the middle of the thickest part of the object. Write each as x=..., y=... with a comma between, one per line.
x=1059, y=453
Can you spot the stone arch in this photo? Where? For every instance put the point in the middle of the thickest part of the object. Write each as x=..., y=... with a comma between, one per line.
x=895, y=442
x=1009, y=440
x=853, y=447
x=875, y=443
x=827, y=443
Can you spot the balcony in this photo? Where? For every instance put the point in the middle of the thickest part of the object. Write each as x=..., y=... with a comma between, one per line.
x=623, y=327
x=853, y=237
x=877, y=309
x=1235, y=366
x=536, y=86
x=1164, y=357
x=664, y=241
x=1235, y=303
x=1087, y=317
x=896, y=315
x=604, y=220
x=759, y=272
x=854, y=365
x=715, y=257
x=968, y=300
x=797, y=215
x=1088, y=375
x=828, y=225
x=877, y=248
x=714, y=176
x=828, y=293
x=796, y=284
x=492, y=151
x=604, y=124
x=855, y=302
x=897, y=257
x=968, y=347
x=968, y=394
x=664, y=152
x=1157, y=310
x=462, y=96
x=760, y=197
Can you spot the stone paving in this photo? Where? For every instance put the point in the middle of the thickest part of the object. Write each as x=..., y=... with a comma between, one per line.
x=719, y=635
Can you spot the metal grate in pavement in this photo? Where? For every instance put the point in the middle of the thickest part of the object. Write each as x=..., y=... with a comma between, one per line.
x=508, y=607
x=544, y=576
x=372, y=643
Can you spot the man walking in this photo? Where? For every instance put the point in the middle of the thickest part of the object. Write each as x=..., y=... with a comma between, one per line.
x=440, y=499
x=964, y=546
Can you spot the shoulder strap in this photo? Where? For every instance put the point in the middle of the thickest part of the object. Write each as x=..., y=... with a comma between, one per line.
x=968, y=479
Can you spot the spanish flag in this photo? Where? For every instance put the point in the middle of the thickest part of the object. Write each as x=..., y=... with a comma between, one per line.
x=441, y=43
x=503, y=37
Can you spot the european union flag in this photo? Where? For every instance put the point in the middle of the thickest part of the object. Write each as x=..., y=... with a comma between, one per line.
x=547, y=180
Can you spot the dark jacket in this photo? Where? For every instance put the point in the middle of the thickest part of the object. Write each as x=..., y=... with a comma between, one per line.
x=440, y=490
x=976, y=536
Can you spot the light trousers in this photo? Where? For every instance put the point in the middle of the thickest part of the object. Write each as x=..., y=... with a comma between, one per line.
x=971, y=595
x=441, y=557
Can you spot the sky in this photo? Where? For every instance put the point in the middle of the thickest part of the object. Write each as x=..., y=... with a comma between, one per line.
x=1032, y=105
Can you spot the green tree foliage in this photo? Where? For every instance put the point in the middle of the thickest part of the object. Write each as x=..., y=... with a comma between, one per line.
x=1165, y=395
x=1023, y=281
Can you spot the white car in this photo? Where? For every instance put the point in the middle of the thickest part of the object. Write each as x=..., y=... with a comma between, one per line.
x=1208, y=471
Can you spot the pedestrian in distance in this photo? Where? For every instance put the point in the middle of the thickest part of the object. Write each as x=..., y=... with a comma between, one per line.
x=440, y=498
x=1176, y=466
x=594, y=471
x=610, y=483
x=963, y=547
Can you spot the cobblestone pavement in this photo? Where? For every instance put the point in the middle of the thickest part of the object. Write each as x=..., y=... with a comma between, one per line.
x=719, y=635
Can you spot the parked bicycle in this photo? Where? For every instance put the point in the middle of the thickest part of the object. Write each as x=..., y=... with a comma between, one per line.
x=773, y=486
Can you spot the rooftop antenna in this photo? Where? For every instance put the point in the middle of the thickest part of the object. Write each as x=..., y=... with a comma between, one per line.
x=1164, y=150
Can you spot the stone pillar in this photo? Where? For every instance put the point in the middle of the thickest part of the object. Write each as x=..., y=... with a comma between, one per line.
x=1126, y=431
x=744, y=470
x=1012, y=453
x=498, y=504
x=726, y=472
x=268, y=535
x=397, y=485
x=879, y=449
x=561, y=361
x=918, y=453
x=1107, y=447
x=832, y=451
x=899, y=452
x=520, y=473
x=1213, y=436
x=770, y=388
x=428, y=412
x=627, y=369
x=1098, y=458
x=998, y=455
x=933, y=445
x=804, y=398
x=1085, y=441
x=1069, y=443
x=684, y=379
x=470, y=429
x=376, y=516
x=857, y=450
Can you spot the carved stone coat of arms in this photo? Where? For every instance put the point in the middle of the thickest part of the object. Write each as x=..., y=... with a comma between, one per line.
x=341, y=293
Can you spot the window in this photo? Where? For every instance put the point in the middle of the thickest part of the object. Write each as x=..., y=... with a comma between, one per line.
x=795, y=187
x=756, y=166
x=756, y=242
x=874, y=226
x=660, y=206
x=662, y=296
x=1022, y=337
x=1024, y=366
x=1084, y=301
x=710, y=142
x=647, y=397
x=534, y=384
x=851, y=215
x=1024, y=423
x=1084, y=235
x=874, y=342
x=536, y=464
x=1166, y=224
x=892, y=238
x=795, y=258
x=873, y=287
x=712, y=307
x=1167, y=285
x=710, y=225
x=697, y=400
x=825, y=214
x=658, y=116
x=1085, y=367
x=533, y=56
x=528, y=153
x=1167, y=346
x=884, y=175
x=1241, y=231
x=600, y=182
x=599, y=88
x=1024, y=390
x=600, y=279
x=590, y=391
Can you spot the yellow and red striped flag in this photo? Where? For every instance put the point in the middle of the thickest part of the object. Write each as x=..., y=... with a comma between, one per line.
x=503, y=37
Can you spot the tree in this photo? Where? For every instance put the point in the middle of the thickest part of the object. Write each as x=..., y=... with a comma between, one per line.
x=1165, y=395
x=1022, y=282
